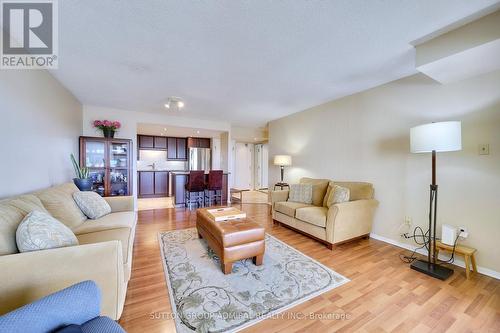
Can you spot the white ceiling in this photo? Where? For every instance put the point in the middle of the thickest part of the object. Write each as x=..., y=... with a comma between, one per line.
x=246, y=62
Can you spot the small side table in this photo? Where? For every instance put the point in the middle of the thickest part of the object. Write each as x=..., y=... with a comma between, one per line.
x=281, y=186
x=467, y=252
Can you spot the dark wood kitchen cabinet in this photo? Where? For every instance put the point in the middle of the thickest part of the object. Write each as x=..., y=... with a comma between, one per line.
x=153, y=184
x=176, y=149
x=146, y=141
x=146, y=183
x=198, y=142
x=161, y=183
x=152, y=142
x=160, y=142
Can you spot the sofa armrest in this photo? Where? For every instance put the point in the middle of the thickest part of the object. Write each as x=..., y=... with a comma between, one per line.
x=279, y=196
x=120, y=203
x=350, y=219
x=29, y=276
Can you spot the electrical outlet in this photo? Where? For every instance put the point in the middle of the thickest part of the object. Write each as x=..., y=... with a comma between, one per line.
x=463, y=232
x=408, y=221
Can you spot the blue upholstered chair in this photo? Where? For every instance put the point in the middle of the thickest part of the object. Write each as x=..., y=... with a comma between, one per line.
x=74, y=309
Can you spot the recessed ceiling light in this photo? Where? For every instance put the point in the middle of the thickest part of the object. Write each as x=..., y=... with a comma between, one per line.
x=174, y=103
x=165, y=129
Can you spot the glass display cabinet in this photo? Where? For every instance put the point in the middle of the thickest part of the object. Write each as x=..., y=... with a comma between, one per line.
x=109, y=162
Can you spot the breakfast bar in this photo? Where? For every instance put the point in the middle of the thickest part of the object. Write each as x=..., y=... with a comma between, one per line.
x=179, y=180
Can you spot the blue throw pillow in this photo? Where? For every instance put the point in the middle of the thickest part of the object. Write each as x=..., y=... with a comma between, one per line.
x=70, y=329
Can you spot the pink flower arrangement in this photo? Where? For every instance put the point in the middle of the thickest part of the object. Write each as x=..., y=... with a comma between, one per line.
x=107, y=124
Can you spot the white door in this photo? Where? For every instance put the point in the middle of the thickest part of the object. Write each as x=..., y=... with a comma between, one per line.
x=258, y=166
x=261, y=166
x=265, y=166
x=243, y=166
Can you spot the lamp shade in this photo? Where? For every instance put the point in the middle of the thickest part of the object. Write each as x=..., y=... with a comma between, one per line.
x=283, y=160
x=439, y=137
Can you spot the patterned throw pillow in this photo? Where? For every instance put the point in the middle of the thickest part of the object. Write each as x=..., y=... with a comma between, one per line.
x=40, y=231
x=92, y=204
x=301, y=193
x=338, y=194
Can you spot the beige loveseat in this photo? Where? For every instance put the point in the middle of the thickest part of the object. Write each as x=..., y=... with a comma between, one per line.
x=104, y=253
x=330, y=225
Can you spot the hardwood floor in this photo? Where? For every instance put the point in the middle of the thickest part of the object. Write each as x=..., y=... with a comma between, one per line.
x=384, y=294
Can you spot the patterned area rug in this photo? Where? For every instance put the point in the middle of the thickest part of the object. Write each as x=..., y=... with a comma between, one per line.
x=205, y=300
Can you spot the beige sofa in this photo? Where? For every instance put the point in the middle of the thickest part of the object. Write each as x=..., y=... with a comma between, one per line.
x=104, y=253
x=330, y=225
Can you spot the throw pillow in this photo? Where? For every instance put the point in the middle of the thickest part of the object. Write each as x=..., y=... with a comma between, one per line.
x=40, y=231
x=92, y=204
x=338, y=194
x=301, y=193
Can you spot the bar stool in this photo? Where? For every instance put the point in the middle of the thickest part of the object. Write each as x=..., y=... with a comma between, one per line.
x=195, y=188
x=213, y=192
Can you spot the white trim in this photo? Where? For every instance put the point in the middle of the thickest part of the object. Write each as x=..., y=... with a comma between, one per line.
x=457, y=262
x=252, y=322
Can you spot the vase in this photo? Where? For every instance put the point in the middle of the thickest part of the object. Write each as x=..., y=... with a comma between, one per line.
x=108, y=132
x=83, y=184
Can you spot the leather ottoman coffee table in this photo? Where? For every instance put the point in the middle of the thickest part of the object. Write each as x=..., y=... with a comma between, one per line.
x=231, y=240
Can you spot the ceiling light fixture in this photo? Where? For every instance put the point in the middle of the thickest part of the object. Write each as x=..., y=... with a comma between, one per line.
x=174, y=103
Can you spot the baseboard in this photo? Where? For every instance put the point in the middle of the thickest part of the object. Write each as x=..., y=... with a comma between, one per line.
x=458, y=262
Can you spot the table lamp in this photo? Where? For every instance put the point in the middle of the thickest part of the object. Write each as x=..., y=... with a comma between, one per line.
x=433, y=138
x=282, y=161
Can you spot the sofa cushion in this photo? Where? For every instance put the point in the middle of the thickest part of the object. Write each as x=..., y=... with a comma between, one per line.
x=358, y=190
x=12, y=212
x=58, y=201
x=121, y=234
x=300, y=193
x=92, y=204
x=110, y=221
x=289, y=207
x=319, y=189
x=314, y=215
x=40, y=231
x=115, y=226
x=338, y=194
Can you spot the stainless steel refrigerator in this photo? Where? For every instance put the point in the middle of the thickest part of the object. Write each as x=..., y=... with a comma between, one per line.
x=200, y=159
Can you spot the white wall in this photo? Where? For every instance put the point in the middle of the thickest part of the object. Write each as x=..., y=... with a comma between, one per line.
x=40, y=122
x=249, y=134
x=365, y=137
x=130, y=120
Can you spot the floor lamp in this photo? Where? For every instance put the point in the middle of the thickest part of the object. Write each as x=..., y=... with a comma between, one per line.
x=434, y=138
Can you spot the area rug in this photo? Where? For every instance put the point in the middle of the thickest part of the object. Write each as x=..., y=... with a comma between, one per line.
x=205, y=300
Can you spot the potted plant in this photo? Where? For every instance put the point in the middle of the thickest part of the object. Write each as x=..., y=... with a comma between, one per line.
x=82, y=180
x=107, y=127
